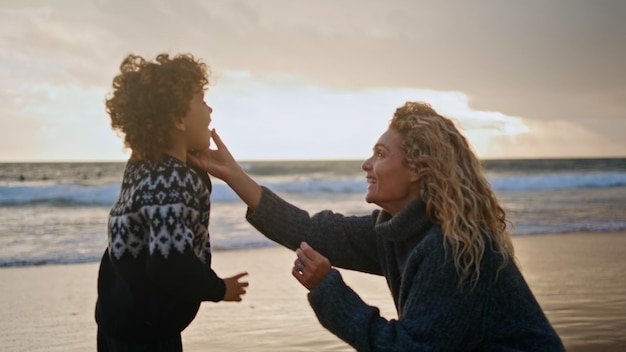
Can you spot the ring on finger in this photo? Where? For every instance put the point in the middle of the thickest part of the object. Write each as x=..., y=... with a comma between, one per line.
x=299, y=266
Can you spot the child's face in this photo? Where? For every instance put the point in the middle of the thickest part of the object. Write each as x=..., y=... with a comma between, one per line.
x=197, y=123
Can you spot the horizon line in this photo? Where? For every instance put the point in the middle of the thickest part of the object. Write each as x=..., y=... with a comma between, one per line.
x=60, y=161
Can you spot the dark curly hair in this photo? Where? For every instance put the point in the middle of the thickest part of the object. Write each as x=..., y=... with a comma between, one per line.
x=147, y=96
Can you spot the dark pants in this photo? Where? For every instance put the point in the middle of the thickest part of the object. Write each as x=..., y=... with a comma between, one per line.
x=109, y=344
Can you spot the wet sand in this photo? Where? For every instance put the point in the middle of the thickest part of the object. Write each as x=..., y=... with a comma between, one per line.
x=579, y=280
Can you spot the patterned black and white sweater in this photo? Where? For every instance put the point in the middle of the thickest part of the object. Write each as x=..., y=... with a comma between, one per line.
x=157, y=267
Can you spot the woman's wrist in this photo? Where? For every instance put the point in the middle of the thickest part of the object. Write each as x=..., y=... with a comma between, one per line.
x=246, y=188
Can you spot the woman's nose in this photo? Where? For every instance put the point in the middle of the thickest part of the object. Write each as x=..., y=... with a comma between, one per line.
x=367, y=165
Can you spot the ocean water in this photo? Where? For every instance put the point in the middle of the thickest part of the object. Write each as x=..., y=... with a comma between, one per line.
x=57, y=212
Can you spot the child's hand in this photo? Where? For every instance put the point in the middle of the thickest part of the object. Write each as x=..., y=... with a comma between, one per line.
x=310, y=267
x=234, y=288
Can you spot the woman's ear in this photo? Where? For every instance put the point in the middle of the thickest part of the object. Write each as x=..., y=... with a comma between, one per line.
x=414, y=176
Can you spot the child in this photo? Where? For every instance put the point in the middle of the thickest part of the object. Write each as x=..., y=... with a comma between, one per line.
x=157, y=267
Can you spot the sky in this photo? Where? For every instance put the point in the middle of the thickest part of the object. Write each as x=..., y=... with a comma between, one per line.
x=321, y=79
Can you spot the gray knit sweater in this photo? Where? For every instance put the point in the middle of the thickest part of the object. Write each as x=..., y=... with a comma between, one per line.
x=499, y=314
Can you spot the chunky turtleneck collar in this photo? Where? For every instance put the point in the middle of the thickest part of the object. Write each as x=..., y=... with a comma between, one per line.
x=409, y=221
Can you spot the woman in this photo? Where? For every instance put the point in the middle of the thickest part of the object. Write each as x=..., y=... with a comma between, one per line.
x=440, y=240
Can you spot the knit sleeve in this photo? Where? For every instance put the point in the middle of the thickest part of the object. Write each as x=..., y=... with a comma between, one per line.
x=347, y=241
x=434, y=316
x=178, y=251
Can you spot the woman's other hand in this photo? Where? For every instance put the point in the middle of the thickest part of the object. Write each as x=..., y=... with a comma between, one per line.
x=310, y=267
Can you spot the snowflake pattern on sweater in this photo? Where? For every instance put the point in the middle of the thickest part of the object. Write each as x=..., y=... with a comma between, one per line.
x=163, y=206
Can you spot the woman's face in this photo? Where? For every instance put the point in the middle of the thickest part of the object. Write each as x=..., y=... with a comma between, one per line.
x=392, y=184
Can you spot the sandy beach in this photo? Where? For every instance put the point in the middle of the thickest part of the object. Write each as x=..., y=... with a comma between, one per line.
x=578, y=279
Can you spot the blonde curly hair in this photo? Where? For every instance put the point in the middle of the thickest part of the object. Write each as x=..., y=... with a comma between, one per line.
x=454, y=188
x=148, y=95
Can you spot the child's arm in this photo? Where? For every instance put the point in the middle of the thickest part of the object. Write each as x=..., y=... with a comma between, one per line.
x=179, y=257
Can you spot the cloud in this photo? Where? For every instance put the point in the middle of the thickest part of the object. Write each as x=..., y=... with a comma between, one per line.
x=17, y=136
x=504, y=70
x=293, y=118
x=58, y=122
x=555, y=139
